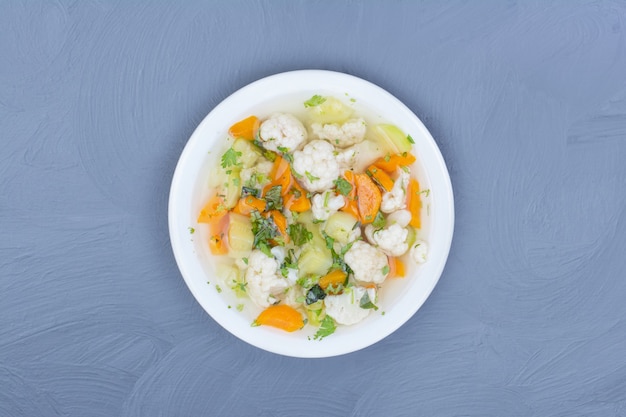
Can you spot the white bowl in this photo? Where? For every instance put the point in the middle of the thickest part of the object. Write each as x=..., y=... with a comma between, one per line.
x=399, y=299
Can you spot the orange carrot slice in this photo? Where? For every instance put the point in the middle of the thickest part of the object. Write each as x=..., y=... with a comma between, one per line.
x=380, y=177
x=248, y=204
x=213, y=210
x=414, y=203
x=296, y=199
x=351, y=205
x=282, y=317
x=281, y=223
x=396, y=267
x=390, y=163
x=246, y=128
x=369, y=198
x=333, y=278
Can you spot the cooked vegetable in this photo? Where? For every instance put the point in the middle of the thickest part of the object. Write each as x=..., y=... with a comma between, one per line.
x=245, y=128
x=248, y=204
x=392, y=138
x=414, y=203
x=368, y=198
x=341, y=226
x=240, y=236
x=282, y=317
x=334, y=278
x=390, y=163
x=327, y=110
x=380, y=177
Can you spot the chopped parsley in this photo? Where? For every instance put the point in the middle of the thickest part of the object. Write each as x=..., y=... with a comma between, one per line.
x=343, y=186
x=379, y=221
x=245, y=260
x=218, y=288
x=327, y=327
x=385, y=270
x=410, y=139
x=366, y=303
x=230, y=158
x=426, y=192
x=299, y=234
x=387, y=157
x=316, y=100
x=314, y=294
x=191, y=230
x=264, y=230
x=274, y=199
x=239, y=307
x=246, y=191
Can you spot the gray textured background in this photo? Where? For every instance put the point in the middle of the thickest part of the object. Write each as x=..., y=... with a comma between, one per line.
x=527, y=101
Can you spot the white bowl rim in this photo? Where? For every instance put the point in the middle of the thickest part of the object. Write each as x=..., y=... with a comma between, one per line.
x=180, y=197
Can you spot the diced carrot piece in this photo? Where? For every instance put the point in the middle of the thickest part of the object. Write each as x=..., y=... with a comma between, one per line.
x=380, y=177
x=296, y=199
x=213, y=210
x=414, y=203
x=281, y=223
x=248, y=204
x=333, y=278
x=396, y=267
x=246, y=128
x=281, y=174
x=351, y=205
x=217, y=235
x=390, y=163
x=368, y=198
x=282, y=317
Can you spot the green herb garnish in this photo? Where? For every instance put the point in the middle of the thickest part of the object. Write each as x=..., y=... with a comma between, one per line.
x=343, y=186
x=316, y=100
x=230, y=158
x=327, y=327
x=410, y=139
x=366, y=303
x=385, y=270
x=299, y=234
x=274, y=199
x=379, y=221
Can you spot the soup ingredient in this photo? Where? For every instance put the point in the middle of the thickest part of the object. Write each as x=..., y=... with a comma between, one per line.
x=316, y=166
x=282, y=133
x=325, y=204
x=396, y=198
x=392, y=138
x=419, y=251
x=346, y=308
x=414, y=203
x=368, y=198
x=341, y=135
x=282, y=317
x=367, y=262
x=390, y=240
x=265, y=283
x=327, y=110
x=245, y=128
x=390, y=163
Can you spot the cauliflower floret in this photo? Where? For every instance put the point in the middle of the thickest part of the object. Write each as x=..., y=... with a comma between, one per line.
x=391, y=240
x=396, y=198
x=342, y=136
x=325, y=204
x=282, y=130
x=316, y=166
x=263, y=282
x=345, y=308
x=401, y=217
x=419, y=251
x=261, y=171
x=368, y=263
x=346, y=158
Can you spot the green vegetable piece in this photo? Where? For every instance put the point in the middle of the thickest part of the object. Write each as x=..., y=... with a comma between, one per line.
x=391, y=138
x=316, y=100
x=366, y=303
x=327, y=327
x=379, y=221
x=343, y=186
x=315, y=294
x=274, y=199
x=299, y=234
